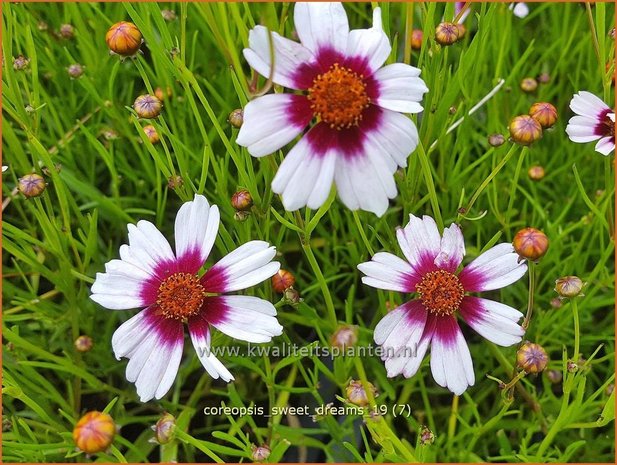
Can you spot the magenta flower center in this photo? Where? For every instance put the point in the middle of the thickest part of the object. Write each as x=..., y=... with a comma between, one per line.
x=338, y=97
x=441, y=292
x=180, y=296
x=608, y=126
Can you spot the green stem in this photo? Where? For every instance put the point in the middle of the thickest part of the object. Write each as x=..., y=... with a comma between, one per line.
x=430, y=185
x=323, y=285
x=531, y=269
x=362, y=234
x=577, y=332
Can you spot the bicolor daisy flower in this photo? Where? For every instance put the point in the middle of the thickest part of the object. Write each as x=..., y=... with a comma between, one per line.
x=595, y=120
x=431, y=272
x=174, y=293
x=354, y=105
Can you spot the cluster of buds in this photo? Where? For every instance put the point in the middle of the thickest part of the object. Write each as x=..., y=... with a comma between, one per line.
x=526, y=129
x=124, y=39
x=94, y=432
x=530, y=244
x=532, y=358
x=356, y=394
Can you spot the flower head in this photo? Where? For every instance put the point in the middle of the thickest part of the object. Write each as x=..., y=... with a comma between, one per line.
x=352, y=103
x=594, y=120
x=536, y=173
x=94, y=432
x=173, y=293
x=124, y=39
x=431, y=272
x=236, y=118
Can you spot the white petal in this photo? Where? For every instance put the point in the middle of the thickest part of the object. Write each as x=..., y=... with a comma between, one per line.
x=322, y=26
x=452, y=249
x=451, y=363
x=148, y=246
x=400, y=88
x=290, y=165
x=200, y=337
x=395, y=136
x=419, y=240
x=387, y=271
x=289, y=56
x=496, y=268
x=493, y=320
x=520, y=9
x=606, y=145
x=246, y=318
x=370, y=44
x=587, y=104
x=117, y=302
x=271, y=122
x=196, y=227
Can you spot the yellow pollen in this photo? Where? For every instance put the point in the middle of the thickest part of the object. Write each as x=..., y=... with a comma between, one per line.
x=180, y=296
x=338, y=97
x=440, y=292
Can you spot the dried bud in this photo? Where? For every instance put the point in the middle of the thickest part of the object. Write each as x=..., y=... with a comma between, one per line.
x=569, y=286
x=242, y=200
x=174, y=182
x=344, y=337
x=20, y=63
x=164, y=429
x=282, y=280
x=556, y=302
x=529, y=84
x=416, y=39
x=67, y=31
x=554, y=376
x=162, y=95
x=75, y=70
x=124, y=39
x=236, y=118
x=427, y=437
x=151, y=134
x=495, y=140
x=260, y=453
x=292, y=296
x=447, y=33
x=531, y=357
x=530, y=243
x=524, y=130
x=357, y=395
x=544, y=113
x=147, y=106
x=544, y=78
x=83, y=343
x=32, y=185
x=94, y=432
x=536, y=173
x=168, y=15
x=241, y=216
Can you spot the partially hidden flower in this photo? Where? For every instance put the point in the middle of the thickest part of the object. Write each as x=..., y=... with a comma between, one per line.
x=173, y=293
x=519, y=9
x=594, y=120
x=94, y=432
x=431, y=272
x=354, y=105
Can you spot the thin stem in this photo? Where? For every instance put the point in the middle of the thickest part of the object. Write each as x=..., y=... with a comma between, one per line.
x=531, y=269
x=577, y=331
x=308, y=251
x=430, y=185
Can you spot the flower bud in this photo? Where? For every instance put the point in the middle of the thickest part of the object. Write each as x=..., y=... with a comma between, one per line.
x=291, y=295
x=164, y=430
x=236, y=118
x=524, y=130
x=174, y=182
x=168, y=15
x=147, y=106
x=75, y=70
x=536, y=173
x=544, y=78
x=242, y=200
x=94, y=432
x=416, y=39
x=109, y=134
x=20, y=63
x=569, y=286
x=67, y=31
x=32, y=185
x=282, y=280
x=554, y=376
x=447, y=33
x=531, y=357
x=556, y=302
x=124, y=39
x=151, y=134
x=544, y=113
x=42, y=26
x=161, y=95
x=344, y=337
x=427, y=437
x=529, y=84
x=260, y=453
x=530, y=243
x=357, y=395
x=571, y=366
x=83, y=343
x=242, y=215
x=495, y=140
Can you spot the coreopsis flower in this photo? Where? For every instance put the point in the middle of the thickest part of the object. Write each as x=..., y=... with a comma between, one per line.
x=594, y=120
x=173, y=293
x=358, y=136
x=431, y=271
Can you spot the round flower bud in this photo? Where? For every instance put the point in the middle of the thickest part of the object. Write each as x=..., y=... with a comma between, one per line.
x=94, y=432
x=75, y=70
x=168, y=15
x=20, y=63
x=556, y=302
x=161, y=95
x=544, y=113
x=282, y=280
x=447, y=33
x=416, y=39
x=83, y=343
x=554, y=376
x=236, y=118
x=164, y=430
x=31, y=185
x=124, y=39
x=571, y=366
x=569, y=286
x=530, y=243
x=67, y=31
x=524, y=130
x=357, y=395
x=174, y=182
x=529, y=84
x=242, y=200
x=536, y=173
x=495, y=140
x=344, y=337
x=427, y=437
x=147, y=106
x=531, y=357
x=291, y=295
x=260, y=453
x=241, y=216
x=544, y=78
x=151, y=134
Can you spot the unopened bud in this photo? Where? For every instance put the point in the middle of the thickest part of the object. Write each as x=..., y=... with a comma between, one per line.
x=32, y=185
x=67, y=31
x=162, y=95
x=147, y=106
x=416, y=39
x=554, y=376
x=530, y=243
x=569, y=286
x=168, y=15
x=427, y=437
x=236, y=118
x=75, y=70
x=260, y=453
x=124, y=39
x=291, y=295
x=536, y=173
x=531, y=357
x=544, y=113
x=357, y=395
x=20, y=63
x=556, y=302
x=164, y=429
x=94, y=432
x=175, y=181
x=495, y=140
x=544, y=78
x=529, y=84
x=344, y=337
x=241, y=215
x=151, y=134
x=83, y=343
x=242, y=200
x=525, y=130
x=571, y=366
x=282, y=280
x=447, y=33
